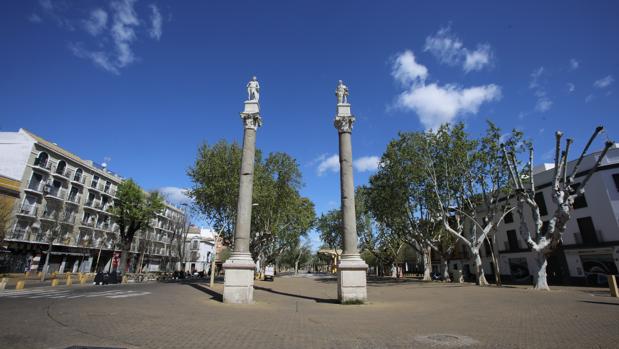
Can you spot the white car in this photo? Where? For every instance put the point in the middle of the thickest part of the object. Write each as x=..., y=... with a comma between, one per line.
x=269, y=273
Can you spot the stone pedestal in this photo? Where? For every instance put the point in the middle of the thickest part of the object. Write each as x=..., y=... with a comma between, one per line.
x=351, y=279
x=239, y=279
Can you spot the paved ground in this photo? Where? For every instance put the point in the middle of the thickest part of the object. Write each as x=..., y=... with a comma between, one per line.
x=301, y=313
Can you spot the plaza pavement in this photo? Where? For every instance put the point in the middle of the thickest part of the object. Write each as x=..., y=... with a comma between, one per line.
x=302, y=313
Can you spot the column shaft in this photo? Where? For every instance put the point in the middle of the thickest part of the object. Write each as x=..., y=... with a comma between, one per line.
x=244, y=205
x=348, y=194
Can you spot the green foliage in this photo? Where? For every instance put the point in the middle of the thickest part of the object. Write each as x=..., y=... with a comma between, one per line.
x=133, y=210
x=215, y=177
x=330, y=226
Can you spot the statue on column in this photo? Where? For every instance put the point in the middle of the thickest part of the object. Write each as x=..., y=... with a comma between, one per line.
x=342, y=93
x=253, y=90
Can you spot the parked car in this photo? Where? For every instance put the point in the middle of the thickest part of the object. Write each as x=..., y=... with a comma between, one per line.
x=269, y=273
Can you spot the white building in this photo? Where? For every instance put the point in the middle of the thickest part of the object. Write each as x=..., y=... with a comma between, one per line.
x=58, y=188
x=199, y=248
x=590, y=247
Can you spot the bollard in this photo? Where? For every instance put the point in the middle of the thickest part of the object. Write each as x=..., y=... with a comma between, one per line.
x=54, y=282
x=3, y=283
x=124, y=279
x=612, y=284
x=69, y=281
x=20, y=285
x=39, y=274
x=83, y=279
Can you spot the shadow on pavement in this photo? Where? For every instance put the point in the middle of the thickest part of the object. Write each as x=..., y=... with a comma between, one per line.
x=214, y=295
x=316, y=299
x=605, y=303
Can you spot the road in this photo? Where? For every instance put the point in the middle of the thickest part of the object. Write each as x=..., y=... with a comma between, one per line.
x=302, y=313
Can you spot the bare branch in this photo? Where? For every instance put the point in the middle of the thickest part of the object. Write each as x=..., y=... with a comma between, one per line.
x=584, y=151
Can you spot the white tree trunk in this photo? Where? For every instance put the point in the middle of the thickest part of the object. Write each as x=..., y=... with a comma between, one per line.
x=539, y=278
x=445, y=267
x=480, y=277
x=427, y=264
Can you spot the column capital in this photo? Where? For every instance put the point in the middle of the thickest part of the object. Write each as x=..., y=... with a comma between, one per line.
x=344, y=123
x=251, y=120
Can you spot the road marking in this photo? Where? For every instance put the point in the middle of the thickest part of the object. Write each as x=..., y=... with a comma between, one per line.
x=129, y=295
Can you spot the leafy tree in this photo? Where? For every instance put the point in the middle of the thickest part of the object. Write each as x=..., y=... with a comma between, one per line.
x=133, y=210
x=542, y=238
x=215, y=176
x=331, y=233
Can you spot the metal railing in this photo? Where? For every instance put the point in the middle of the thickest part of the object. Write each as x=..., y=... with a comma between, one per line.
x=56, y=192
x=36, y=186
x=28, y=209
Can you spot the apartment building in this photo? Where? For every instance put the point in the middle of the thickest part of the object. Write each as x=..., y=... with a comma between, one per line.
x=64, y=196
x=590, y=246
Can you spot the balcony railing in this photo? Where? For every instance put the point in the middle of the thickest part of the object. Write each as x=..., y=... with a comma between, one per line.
x=56, y=192
x=36, y=186
x=88, y=223
x=19, y=233
x=64, y=172
x=79, y=178
x=74, y=198
x=28, y=210
x=47, y=165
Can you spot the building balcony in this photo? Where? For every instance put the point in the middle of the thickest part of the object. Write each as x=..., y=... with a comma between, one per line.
x=78, y=179
x=34, y=187
x=27, y=210
x=56, y=193
x=88, y=223
x=19, y=233
x=43, y=165
x=63, y=173
x=74, y=199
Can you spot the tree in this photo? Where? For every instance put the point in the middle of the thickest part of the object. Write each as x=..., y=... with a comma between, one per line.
x=469, y=179
x=133, y=210
x=215, y=176
x=331, y=233
x=58, y=215
x=6, y=211
x=544, y=238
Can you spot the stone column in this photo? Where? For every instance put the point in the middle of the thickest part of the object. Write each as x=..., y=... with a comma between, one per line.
x=351, y=270
x=240, y=267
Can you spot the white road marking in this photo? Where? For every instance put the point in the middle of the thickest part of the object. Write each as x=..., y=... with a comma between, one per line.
x=129, y=295
x=67, y=294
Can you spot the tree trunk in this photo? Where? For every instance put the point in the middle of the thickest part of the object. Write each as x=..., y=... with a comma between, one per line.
x=480, y=278
x=46, y=266
x=539, y=278
x=495, y=262
x=445, y=267
x=124, y=254
x=427, y=264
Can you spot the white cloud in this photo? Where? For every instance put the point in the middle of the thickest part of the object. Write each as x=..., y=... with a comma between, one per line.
x=604, y=82
x=536, y=83
x=574, y=64
x=123, y=31
x=434, y=104
x=331, y=163
x=570, y=87
x=449, y=49
x=156, y=23
x=476, y=60
x=366, y=163
x=97, y=22
x=589, y=98
x=406, y=70
x=34, y=18
x=175, y=195
x=99, y=58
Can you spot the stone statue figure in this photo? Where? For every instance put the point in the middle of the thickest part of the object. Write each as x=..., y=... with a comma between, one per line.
x=253, y=90
x=342, y=93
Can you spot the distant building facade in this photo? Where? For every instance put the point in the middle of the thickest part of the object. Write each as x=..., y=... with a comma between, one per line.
x=590, y=247
x=53, y=180
x=199, y=249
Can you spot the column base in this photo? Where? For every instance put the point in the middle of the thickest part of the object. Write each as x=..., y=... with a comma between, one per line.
x=351, y=279
x=239, y=279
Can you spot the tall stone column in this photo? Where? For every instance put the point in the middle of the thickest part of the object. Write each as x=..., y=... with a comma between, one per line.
x=351, y=270
x=240, y=267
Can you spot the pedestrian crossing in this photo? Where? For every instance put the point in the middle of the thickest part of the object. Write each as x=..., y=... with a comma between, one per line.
x=69, y=294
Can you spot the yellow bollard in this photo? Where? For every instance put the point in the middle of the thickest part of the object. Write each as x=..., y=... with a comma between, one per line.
x=39, y=274
x=612, y=284
x=3, y=283
x=83, y=279
x=54, y=282
x=124, y=280
x=69, y=281
x=20, y=285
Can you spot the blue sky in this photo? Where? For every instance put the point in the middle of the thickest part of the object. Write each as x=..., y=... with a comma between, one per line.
x=145, y=82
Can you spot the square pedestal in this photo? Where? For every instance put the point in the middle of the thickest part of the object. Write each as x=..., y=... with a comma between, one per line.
x=239, y=279
x=351, y=279
x=251, y=107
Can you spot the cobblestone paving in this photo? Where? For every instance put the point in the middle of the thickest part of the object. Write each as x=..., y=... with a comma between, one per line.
x=301, y=313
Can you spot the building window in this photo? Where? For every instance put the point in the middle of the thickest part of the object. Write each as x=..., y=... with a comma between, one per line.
x=95, y=180
x=580, y=201
x=541, y=203
x=78, y=175
x=509, y=218
x=41, y=160
x=587, y=230
x=512, y=240
x=616, y=179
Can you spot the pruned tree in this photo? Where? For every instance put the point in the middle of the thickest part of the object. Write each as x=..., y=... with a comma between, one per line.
x=58, y=216
x=469, y=179
x=544, y=238
x=6, y=213
x=133, y=210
